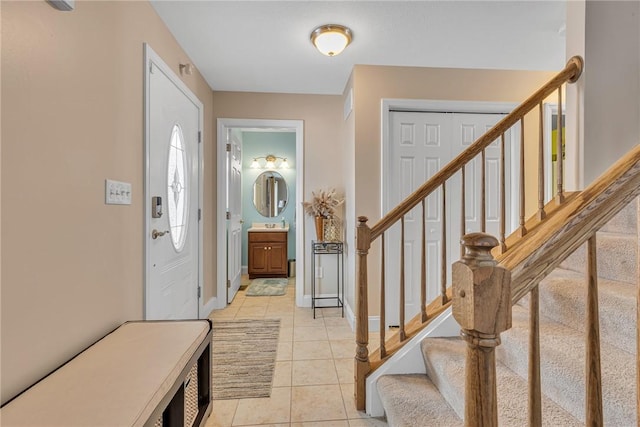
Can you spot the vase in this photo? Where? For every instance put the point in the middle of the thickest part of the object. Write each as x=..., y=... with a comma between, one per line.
x=319, y=228
x=331, y=230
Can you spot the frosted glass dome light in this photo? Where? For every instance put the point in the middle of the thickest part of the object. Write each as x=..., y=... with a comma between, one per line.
x=331, y=39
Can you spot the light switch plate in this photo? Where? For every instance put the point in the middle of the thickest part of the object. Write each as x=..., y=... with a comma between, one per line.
x=117, y=193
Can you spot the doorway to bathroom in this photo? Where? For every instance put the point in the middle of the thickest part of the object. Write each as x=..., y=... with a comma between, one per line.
x=248, y=151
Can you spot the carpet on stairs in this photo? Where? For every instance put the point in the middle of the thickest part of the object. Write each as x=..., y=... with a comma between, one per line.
x=562, y=339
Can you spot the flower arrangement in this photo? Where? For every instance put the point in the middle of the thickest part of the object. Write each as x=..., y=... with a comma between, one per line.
x=322, y=207
x=323, y=203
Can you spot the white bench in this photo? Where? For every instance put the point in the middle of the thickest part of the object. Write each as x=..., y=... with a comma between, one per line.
x=134, y=376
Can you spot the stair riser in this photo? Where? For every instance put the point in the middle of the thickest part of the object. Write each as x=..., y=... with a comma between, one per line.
x=617, y=258
x=563, y=299
x=562, y=369
x=413, y=400
x=445, y=359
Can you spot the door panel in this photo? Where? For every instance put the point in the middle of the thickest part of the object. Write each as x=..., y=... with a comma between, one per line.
x=421, y=149
x=173, y=164
x=234, y=207
x=277, y=257
x=258, y=257
x=421, y=143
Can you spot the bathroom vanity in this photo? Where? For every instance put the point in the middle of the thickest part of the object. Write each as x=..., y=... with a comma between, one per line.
x=267, y=251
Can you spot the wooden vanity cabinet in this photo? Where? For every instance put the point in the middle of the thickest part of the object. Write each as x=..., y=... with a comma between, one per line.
x=267, y=254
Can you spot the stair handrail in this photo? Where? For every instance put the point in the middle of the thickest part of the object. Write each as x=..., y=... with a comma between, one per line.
x=365, y=235
x=518, y=273
x=572, y=225
x=571, y=73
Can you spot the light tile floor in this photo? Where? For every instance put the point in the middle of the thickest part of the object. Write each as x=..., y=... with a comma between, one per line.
x=313, y=380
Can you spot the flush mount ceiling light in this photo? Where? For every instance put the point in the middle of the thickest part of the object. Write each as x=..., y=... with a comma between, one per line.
x=331, y=39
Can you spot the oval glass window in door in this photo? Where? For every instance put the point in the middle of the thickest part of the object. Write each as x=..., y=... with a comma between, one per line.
x=177, y=188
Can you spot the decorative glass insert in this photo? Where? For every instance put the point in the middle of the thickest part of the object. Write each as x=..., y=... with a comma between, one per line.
x=177, y=188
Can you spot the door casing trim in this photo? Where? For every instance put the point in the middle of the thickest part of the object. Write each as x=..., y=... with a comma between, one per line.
x=223, y=124
x=150, y=56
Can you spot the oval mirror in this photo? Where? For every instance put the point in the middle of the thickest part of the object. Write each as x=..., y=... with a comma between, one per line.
x=270, y=194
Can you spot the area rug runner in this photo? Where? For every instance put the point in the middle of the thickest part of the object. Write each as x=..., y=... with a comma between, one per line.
x=267, y=287
x=244, y=358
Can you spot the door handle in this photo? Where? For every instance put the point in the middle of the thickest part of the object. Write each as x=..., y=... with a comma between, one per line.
x=155, y=233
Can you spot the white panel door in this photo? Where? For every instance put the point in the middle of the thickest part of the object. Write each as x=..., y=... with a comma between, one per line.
x=234, y=209
x=421, y=143
x=466, y=129
x=419, y=149
x=173, y=177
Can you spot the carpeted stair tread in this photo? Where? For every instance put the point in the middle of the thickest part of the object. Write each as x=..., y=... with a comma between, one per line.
x=562, y=363
x=563, y=296
x=412, y=400
x=445, y=363
x=617, y=257
x=562, y=340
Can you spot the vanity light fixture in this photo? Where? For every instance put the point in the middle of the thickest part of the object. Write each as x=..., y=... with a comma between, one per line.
x=331, y=39
x=270, y=162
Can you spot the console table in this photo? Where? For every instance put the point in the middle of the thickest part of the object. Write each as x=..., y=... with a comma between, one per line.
x=319, y=248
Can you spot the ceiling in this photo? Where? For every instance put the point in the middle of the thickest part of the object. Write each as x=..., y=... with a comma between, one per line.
x=264, y=46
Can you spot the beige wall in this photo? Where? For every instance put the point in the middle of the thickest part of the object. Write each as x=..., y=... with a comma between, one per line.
x=374, y=83
x=322, y=116
x=611, y=83
x=603, y=108
x=72, y=115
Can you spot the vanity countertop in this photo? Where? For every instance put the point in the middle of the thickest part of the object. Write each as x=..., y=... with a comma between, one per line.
x=262, y=227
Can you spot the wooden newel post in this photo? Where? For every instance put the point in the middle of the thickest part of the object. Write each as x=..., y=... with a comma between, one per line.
x=482, y=307
x=362, y=365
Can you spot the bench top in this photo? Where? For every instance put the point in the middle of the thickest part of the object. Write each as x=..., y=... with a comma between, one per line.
x=118, y=381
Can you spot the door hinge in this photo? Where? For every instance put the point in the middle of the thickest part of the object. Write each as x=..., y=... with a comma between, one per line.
x=199, y=214
x=228, y=283
x=228, y=215
x=228, y=147
x=199, y=292
x=199, y=136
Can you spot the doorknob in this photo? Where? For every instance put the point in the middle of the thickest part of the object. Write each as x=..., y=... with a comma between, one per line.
x=155, y=233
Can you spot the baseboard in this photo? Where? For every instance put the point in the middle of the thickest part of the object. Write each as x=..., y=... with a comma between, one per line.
x=351, y=317
x=374, y=321
x=208, y=307
x=244, y=270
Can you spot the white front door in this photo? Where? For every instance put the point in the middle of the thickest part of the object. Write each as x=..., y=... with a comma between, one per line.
x=172, y=190
x=234, y=214
x=420, y=144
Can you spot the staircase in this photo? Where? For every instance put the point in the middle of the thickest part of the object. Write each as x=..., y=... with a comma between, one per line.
x=437, y=398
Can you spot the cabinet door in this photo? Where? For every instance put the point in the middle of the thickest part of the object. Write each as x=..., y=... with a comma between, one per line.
x=258, y=259
x=278, y=258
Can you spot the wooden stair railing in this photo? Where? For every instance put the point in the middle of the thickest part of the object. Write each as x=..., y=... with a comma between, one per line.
x=479, y=280
x=365, y=362
x=482, y=307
